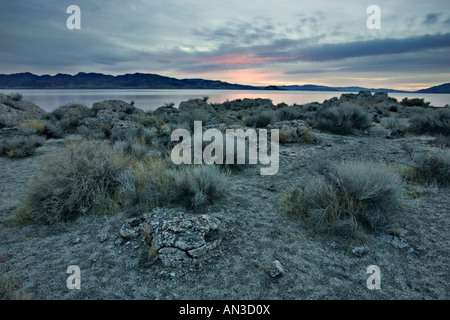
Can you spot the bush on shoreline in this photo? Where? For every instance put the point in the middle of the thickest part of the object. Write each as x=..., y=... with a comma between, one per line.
x=343, y=119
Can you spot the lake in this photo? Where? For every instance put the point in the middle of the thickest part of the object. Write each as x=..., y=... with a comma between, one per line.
x=151, y=99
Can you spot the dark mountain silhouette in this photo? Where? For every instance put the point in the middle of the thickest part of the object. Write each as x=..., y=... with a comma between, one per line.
x=443, y=88
x=101, y=81
x=91, y=80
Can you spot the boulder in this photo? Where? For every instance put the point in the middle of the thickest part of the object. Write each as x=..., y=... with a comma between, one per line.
x=115, y=106
x=16, y=111
x=395, y=134
x=74, y=112
x=291, y=130
x=177, y=239
x=379, y=97
x=193, y=104
x=125, y=130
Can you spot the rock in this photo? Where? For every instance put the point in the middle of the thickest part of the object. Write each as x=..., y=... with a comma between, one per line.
x=193, y=104
x=291, y=130
x=125, y=130
x=73, y=112
x=395, y=134
x=175, y=238
x=360, y=251
x=118, y=106
x=166, y=111
x=276, y=269
x=131, y=228
x=379, y=97
x=173, y=257
x=103, y=118
x=15, y=112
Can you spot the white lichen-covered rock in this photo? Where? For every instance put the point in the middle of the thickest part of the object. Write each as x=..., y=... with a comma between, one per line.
x=176, y=238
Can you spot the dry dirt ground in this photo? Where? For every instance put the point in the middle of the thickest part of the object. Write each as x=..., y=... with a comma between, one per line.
x=414, y=264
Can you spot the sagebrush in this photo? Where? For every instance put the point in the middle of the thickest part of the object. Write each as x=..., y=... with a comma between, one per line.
x=79, y=180
x=348, y=198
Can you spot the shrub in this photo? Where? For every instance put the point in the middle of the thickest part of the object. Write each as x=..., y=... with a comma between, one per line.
x=147, y=183
x=16, y=96
x=45, y=128
x=348, y=198
x=414, y=102
x=441, y=141
x=79, y=180
x=261, y=120
x=343, y=119
x=434, y=122
x=21, y=146
x=290, y=113
x=432, y=168
x=199, y=185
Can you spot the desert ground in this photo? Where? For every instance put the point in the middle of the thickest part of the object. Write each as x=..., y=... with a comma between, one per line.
x=251, y=248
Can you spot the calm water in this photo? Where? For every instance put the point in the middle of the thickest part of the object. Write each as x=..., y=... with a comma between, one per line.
x=147, y=99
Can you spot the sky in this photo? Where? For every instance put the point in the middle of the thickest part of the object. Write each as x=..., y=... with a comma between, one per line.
x=253, y=42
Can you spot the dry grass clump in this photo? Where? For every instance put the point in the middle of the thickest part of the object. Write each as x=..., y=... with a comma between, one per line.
x=197, y=186
x=21, y=146
x=431, y=168
x=348, y=198
x=79, y=180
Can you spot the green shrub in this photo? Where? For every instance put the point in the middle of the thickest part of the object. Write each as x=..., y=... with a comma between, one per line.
x=343, y=119
x=79, y=180
x=433, y=122
x=348, y=198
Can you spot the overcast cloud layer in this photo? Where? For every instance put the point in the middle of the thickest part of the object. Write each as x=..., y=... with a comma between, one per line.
x=256, y=42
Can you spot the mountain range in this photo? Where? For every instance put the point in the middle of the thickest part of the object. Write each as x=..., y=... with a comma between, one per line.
x=84, y=80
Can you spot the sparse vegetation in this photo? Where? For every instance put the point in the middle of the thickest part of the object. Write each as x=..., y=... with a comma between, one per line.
x=433, y=122
x=79, y=180
x=16, y=96
x=347, y=198
x=343, y=119
x=21, y=146
x=200, y=185
x=261, y=119
x=430, y=168
x=414, y=102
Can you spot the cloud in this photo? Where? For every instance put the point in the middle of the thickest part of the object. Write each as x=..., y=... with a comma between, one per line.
x=431, y=18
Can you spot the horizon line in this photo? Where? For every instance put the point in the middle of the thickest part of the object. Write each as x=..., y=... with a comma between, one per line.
x=250, y=85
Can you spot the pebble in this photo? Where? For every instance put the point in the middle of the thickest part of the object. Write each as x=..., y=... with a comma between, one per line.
x=276, y=269
x=360, y=251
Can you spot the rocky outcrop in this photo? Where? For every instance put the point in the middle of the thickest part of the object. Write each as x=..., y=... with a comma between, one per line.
x=16, y=111
x=291, y=130
x=173, y=237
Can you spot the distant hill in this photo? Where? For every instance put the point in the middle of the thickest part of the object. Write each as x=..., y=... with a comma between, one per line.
x=91, y=80
x=101, y=81
x=312, y=87
x=443, y=88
